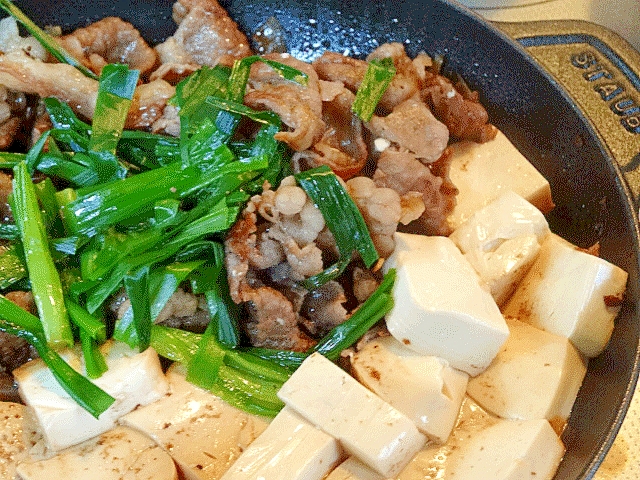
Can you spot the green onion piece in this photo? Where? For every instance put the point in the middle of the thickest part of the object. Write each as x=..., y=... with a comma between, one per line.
x=63, y=118
x=117, y=85
x=89, y=396
x=258, y=367
x=259, y=116
x=45, y=280
x=49, y=43
x=9, y=231
x=376, y=80
x=174, y=344
x=205, y=364
x=340, y=213
x=242, y=68
x=94, y=362
x=284, y=358
x=224, y=311
x=241, y=401
x=33, y=156
x=19, y=317
x=89, y=324
x=193, y=90
x=136, y=284
x=46, y=192
x=148, y=150
x=10, y=160
x=366, y=316
x=261, y=392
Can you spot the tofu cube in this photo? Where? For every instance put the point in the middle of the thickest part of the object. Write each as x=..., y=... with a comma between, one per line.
x=203, y=434
x=133, y=379
x=536, y=375
x=367, y=427
x=481, y=172
x=290, y=448
x=508, y=450
x=440, y=306
x=501, y=242
x=119, y=454
x=572, y=294
x=353, y=469
x=425, y=388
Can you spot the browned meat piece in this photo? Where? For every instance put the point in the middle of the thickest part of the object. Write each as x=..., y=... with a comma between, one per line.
x=336, y=67
x=413, y=127
x=402, y=172
x=8, y=131
x=299, y=106
x=273, y=323
x=323, y=309
x=110, y=40
x=5, y=189
x=464, y=116
x=15, y=351
x=22, y=73
x=206, y=35
x=350, y=71
x=364, y=284
x=342, y=146
x=148, y=104
x=8, y=389
x=22, y=299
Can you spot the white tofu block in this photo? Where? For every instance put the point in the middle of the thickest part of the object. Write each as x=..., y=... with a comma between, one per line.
x=501, y=242
x=133, y=379
x=203, y=434
x=119, y=454
x=425, y=388
x=290, y=448
x=536, y=375
x=481, y=172
x=13, y=440
x=367, y=427
x=353, y=469
x=509, y=450
x=440, y=307
x=570, y=293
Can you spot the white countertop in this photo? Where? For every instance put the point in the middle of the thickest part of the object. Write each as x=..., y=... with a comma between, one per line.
x=623, y=17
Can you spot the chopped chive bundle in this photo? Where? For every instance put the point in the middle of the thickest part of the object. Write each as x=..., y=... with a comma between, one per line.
x=376, y=80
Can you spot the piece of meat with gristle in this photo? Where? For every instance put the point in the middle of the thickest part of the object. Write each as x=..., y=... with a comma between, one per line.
x=412, y=126
x=206, y=35
x=341, y=146
x=465, y=117
x=267, y=252
x=298, y=106
x=110, y=40
x=402, y=172
x=381, y=209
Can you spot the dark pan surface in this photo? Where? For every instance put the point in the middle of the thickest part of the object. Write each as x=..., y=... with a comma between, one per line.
x=593, y=202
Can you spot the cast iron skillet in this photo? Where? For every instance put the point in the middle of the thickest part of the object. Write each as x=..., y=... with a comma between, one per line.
x=583, y=159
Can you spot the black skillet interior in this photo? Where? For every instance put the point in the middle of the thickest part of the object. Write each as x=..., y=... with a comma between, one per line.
x=593, y=201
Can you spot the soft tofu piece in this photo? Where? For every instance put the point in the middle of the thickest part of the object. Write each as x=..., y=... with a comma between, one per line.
x=119, y=454
x=501, y=242
x=353, y=469
x=366, y=426
x=440, y=306
x=290, y=448
x=481, y=172
x=202, y=433
x=508, y=450
x=570, y=293
x=536, y=375
x=13, y=438
x=425, y=388
x=133, y=379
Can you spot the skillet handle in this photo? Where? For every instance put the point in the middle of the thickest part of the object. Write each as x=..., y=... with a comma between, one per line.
x=601, y=72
